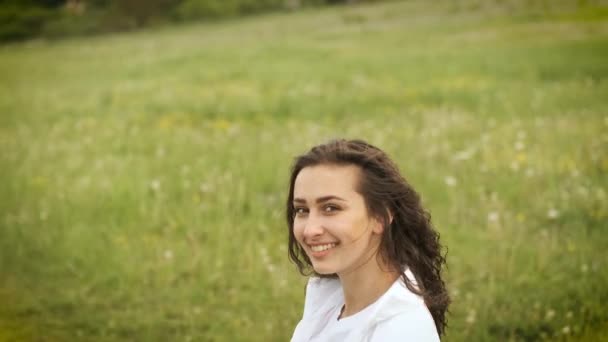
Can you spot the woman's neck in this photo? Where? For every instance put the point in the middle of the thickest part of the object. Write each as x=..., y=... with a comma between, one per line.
x=365, y=285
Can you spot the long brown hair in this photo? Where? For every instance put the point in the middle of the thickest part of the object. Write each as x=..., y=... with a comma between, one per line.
x=408, y=240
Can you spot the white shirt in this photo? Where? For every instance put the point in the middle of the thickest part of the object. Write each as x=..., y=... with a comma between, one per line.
x=398, y=315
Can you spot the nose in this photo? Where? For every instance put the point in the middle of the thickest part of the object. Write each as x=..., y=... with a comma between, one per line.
x=313, y=227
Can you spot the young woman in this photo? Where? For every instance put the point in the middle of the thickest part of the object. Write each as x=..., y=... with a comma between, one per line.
x=359, y=228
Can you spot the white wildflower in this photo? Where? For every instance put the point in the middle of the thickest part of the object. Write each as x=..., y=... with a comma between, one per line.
x=530, y=172
x=552, y=213
x=471, y=317
x=514, y=165
x=205, y=188
x=450, y=181
x=493, y=216
x=463, y=155
x=155, y=185
x=168, y=254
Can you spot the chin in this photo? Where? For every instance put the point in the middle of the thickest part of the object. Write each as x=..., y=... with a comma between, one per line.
x=324, y=270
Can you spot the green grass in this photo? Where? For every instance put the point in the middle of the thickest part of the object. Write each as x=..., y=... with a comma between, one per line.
x=144, y=174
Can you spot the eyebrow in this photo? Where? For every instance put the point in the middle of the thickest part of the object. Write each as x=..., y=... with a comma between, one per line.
x=320, y=199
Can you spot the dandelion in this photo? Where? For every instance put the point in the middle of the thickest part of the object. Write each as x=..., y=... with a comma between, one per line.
x=552, y=213
x=569, y=314
x=205, y=188
x=575, y=173
x=514, y=165
x=471, y=316
x=450, y=181
x=221, y=124
x=463, y=155
x=168, y=254
x=584, y=268
x=519, y=146
x=566, y=330
x=530, y=172
x=493, y=216
x=155, y=185
x=160, y=152
x=550, y=314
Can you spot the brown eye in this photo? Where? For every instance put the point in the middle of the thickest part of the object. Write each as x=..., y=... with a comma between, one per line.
x=300, y=211
x=330, y=208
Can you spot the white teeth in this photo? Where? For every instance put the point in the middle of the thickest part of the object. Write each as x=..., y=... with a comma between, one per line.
x=321, y=248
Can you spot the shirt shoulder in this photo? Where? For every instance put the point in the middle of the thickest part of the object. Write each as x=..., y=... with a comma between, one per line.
x=415, y=324
x=321, y=292
x=403, y=316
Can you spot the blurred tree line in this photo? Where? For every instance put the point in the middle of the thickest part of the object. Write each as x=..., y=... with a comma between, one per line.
x=23, y=19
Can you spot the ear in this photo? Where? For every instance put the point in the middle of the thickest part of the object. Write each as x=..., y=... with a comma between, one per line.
x=377, y=227
x=378, y=223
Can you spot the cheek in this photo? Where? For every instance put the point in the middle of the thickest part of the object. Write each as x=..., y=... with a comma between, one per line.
x=360, y=231
x=298, y=231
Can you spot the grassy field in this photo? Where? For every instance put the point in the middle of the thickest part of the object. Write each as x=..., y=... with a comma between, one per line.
x=143, y=175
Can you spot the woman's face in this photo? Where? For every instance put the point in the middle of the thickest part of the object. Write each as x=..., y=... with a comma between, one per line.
x=331, y=221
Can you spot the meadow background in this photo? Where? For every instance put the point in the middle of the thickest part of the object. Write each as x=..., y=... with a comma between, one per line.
x=143, y=175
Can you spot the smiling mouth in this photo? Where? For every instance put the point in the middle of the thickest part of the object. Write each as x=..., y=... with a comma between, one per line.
x=321, y=248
